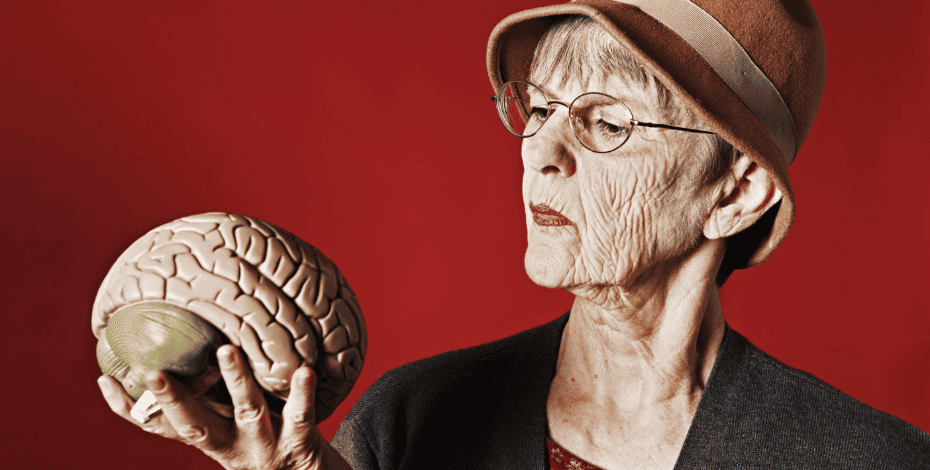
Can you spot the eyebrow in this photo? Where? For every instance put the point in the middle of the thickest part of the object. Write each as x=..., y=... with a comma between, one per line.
x=555, y=99
x=546, y=92
x=623, y=97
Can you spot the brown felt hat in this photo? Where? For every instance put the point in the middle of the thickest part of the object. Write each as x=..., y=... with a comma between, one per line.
x=752, y=70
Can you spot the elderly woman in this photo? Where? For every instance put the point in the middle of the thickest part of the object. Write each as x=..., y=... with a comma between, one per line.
x=657, y=136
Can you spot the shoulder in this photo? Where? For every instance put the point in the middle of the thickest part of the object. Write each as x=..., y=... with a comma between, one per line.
x=795, y=415
x=439, y=401
x=452, y=370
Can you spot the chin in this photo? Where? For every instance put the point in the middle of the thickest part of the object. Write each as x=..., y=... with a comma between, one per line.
x=546, y=266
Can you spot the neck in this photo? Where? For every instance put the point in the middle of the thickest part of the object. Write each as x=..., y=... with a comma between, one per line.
x=656, y=347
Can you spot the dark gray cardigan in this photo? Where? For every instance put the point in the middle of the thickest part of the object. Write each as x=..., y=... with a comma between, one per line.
x=485, y=408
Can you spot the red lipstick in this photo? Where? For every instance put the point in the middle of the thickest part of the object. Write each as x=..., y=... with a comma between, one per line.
x=547, y=216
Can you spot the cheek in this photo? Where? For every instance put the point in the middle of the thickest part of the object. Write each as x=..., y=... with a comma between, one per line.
x=685, y=208
x=626, y=219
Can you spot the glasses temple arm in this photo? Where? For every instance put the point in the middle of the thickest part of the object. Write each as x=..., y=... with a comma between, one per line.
x=664, y=126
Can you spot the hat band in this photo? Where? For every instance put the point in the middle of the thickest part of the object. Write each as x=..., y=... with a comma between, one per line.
x=731, y=62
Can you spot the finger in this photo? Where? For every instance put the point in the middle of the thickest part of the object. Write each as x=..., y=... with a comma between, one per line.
x=299, y=431
x=253, y=419
x=191, y=422
x=301, y=442
x=121, y=403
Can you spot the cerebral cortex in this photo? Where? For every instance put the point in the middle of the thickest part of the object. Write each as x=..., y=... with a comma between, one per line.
x=270, y=293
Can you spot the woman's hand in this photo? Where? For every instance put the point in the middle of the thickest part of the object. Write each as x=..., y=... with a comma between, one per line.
x=252, y=441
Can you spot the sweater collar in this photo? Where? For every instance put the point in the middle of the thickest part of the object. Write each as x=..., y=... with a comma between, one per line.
x=537, y=366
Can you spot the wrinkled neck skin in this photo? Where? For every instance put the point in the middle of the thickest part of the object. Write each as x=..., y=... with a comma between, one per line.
x=662, y=332
x=632, y=364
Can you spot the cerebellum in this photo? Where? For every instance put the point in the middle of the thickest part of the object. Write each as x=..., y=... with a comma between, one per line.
x=255, y=285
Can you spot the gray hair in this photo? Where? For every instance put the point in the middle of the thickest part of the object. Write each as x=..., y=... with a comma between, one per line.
x=575, y=47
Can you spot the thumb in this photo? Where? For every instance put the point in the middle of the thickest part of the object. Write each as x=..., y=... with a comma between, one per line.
x=299, y=431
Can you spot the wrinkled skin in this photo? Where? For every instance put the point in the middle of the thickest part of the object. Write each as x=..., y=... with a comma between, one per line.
x=632, y=210
x=252, y=439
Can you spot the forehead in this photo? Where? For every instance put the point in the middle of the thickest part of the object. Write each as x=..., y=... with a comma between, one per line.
x=576, y=53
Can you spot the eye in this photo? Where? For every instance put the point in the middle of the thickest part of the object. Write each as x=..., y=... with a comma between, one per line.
x=610, y=130
x=539, y=112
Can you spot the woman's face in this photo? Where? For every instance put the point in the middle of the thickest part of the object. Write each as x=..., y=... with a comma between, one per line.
x=597, y=221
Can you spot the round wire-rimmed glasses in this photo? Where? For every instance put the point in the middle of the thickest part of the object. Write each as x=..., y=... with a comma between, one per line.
x=600, y=122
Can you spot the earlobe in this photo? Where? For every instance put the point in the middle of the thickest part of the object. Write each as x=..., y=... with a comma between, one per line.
x=743, y=197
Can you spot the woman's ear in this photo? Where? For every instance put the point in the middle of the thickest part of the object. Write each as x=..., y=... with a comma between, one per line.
x=744, y=195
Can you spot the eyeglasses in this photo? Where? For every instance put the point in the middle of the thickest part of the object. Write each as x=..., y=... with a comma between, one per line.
x=600, y=122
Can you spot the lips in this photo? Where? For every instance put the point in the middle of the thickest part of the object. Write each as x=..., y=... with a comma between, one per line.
x=547, y=216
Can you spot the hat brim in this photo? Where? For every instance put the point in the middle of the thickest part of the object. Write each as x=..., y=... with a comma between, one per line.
x=675, y=64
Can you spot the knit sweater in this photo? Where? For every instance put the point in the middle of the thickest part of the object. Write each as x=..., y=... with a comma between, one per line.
x=485, y=408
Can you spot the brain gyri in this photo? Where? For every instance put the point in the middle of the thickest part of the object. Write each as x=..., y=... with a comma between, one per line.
x=263, y=289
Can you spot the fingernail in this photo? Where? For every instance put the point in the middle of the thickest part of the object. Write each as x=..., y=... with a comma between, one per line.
x=227, y=357
x=156, y=381
x=308, y=375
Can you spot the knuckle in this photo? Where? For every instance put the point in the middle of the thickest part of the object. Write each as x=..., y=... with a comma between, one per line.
x=249, y=412
x=301, y=414
x=193, y=433
x=236, y=380
x=303, y=418
x=170, y=400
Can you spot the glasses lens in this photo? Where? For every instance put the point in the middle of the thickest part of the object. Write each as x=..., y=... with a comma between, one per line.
x=601, y=122
x=522, y=107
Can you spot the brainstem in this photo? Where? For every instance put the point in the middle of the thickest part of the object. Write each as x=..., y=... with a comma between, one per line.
x=271, y=293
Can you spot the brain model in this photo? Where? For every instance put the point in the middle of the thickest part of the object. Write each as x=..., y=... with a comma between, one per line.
x=188, y=286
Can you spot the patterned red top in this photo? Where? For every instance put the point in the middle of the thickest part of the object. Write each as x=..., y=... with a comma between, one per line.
x=561, y=459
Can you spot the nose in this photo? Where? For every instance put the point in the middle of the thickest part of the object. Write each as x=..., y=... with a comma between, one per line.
x=552, y=150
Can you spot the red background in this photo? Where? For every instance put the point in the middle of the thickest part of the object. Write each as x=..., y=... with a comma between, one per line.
x=367, y=129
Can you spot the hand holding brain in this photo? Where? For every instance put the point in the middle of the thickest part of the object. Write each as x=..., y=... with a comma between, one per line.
x=188, y=286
